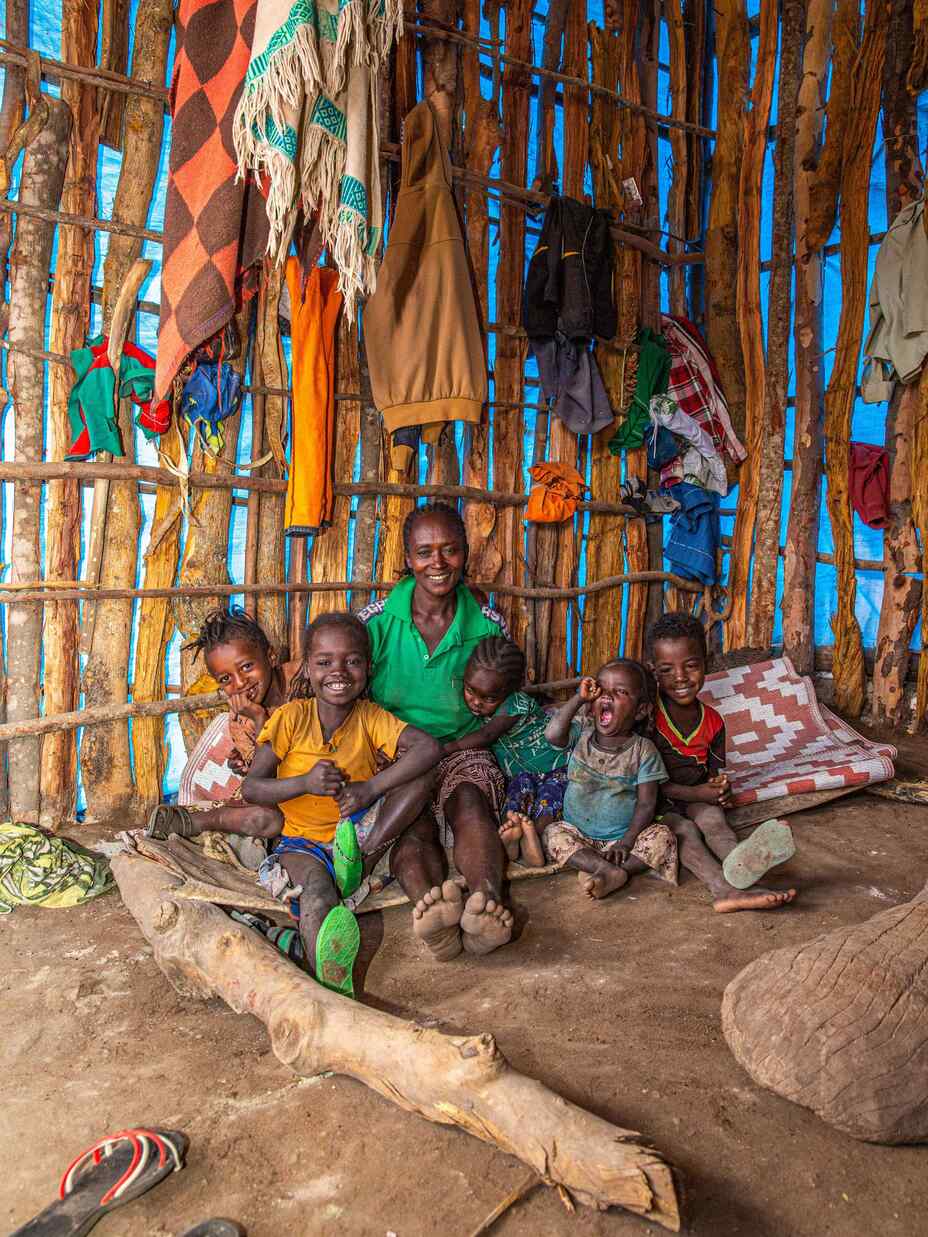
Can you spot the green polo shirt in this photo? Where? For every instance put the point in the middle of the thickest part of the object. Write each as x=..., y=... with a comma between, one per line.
x=426, y=690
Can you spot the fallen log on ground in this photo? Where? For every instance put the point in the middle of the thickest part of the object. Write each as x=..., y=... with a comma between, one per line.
x=450, y=1079
x=838, y=1024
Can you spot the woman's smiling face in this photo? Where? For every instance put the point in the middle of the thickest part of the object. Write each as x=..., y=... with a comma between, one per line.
x=436, y=555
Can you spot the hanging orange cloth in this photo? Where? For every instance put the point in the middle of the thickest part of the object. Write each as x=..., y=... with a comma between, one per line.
x=554, y=496
x=313, y=318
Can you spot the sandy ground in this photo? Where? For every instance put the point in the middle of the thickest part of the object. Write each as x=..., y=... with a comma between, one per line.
x=615, y=1005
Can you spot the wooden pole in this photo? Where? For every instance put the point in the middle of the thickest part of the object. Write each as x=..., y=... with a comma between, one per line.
x=106, y=760
x=104, y=714
x=779, y=320
x=798, y=605
x=902, y=592
x=509, y=366
x=849, y=673
x=268, y=431
x=823, y=207
x=70, y=317
x=920, y=512
x=365, y=520
x=562, y=442
x=679, y=146
x=206, y=550
x=732, y=56
x=114, y=56
x=156, y=627
x=16, y=26
x=749, y=320
x=481, y=141
x=42, y=180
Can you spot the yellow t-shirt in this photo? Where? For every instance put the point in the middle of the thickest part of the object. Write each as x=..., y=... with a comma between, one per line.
x=295, y=734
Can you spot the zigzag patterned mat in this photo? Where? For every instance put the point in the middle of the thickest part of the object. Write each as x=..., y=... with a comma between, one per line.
x=781, y=741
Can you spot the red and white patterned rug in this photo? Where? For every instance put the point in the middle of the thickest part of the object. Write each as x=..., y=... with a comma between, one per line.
x=206, y=777
x=781, y=741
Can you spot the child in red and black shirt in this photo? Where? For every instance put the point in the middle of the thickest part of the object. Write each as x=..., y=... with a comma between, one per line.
x=690, y=737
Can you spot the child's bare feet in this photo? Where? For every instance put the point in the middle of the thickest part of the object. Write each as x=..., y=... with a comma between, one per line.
x=607, y=880
x=436, y=919
x=754, y=899
x=533, y=853
x=510, y=834
x=485, y=924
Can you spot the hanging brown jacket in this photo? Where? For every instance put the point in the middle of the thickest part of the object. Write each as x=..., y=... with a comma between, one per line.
x=422, y=327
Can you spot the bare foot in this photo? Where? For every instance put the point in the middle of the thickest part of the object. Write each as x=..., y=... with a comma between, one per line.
x=752, y=900
x=485, y=924
x=606, y=881
x=436, y=919
x=510, y=834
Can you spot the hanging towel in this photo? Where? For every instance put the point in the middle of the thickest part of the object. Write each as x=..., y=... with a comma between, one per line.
x=92, y=402
x=651, y=379
x=422, y=325
x=869, y=483
x=558, y=487
x=692, y=546
x=572, y=384
x=309, y=120
x=215, y=225
x=311, y=488
x=898, y=340
x=212, y=393
x=695, y=384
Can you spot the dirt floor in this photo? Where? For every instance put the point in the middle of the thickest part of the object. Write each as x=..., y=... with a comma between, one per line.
x=615, y=1005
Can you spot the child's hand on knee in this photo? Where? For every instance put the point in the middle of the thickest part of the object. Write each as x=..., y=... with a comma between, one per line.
x=721, y=787
x=324, y=778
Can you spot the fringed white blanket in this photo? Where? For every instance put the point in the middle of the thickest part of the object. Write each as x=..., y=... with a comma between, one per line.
x=309, y=119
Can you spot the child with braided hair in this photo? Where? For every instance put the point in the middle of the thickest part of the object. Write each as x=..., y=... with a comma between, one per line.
x=536, y=772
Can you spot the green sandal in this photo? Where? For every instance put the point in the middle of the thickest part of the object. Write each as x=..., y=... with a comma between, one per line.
x=769, y=845
x=168, y=818
x=347, y=858
x=337, y=947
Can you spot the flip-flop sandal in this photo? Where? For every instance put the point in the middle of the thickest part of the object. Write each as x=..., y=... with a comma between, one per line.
x=112, y=1172
x=216, y=1228
x=770, y=844
x=168, y=818
x=347, y=858
x=337, y=947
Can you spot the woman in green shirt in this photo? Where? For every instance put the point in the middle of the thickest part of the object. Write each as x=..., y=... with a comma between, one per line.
x=421, y=638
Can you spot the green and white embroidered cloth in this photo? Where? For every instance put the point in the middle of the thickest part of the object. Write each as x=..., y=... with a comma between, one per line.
x=309, y=119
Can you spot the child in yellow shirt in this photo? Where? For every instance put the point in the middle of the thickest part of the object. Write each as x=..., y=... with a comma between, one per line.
x=320, y=761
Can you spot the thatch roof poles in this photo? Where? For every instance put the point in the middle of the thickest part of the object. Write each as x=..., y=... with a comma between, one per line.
x=41, y=183
x=902, y=591
x=798, y=605
x=70, y=316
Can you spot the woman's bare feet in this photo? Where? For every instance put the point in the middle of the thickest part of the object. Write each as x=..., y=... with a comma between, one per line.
x=607, y=880
x=752, y=900
x=436, y=919
x=485, y=924
x=510, y=834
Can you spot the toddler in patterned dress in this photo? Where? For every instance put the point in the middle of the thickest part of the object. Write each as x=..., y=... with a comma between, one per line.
x=536, y=772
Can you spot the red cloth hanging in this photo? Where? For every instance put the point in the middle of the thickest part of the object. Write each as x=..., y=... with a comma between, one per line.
x=869, y=483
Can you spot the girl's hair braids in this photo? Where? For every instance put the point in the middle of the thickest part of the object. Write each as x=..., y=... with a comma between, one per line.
x=433, y=511
x=223, y=626
x=502, y=657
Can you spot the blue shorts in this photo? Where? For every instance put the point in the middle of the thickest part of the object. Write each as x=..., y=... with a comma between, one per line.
x=537, y=794
x=321, y=851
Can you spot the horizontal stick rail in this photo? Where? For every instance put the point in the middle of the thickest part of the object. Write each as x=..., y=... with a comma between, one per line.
x=109, y=713
x=45, y=591
x=16, y=471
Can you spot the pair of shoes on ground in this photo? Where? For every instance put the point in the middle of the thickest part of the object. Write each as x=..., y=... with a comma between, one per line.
x=111, y=1173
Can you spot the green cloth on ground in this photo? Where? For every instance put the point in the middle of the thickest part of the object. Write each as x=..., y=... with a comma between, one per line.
x=652, y=378
x=426, y=689
x=37, y=869
x=525, y=749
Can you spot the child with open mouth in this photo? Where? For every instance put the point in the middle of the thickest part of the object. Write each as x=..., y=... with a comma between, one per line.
x=319, y=764
x=608, y=832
